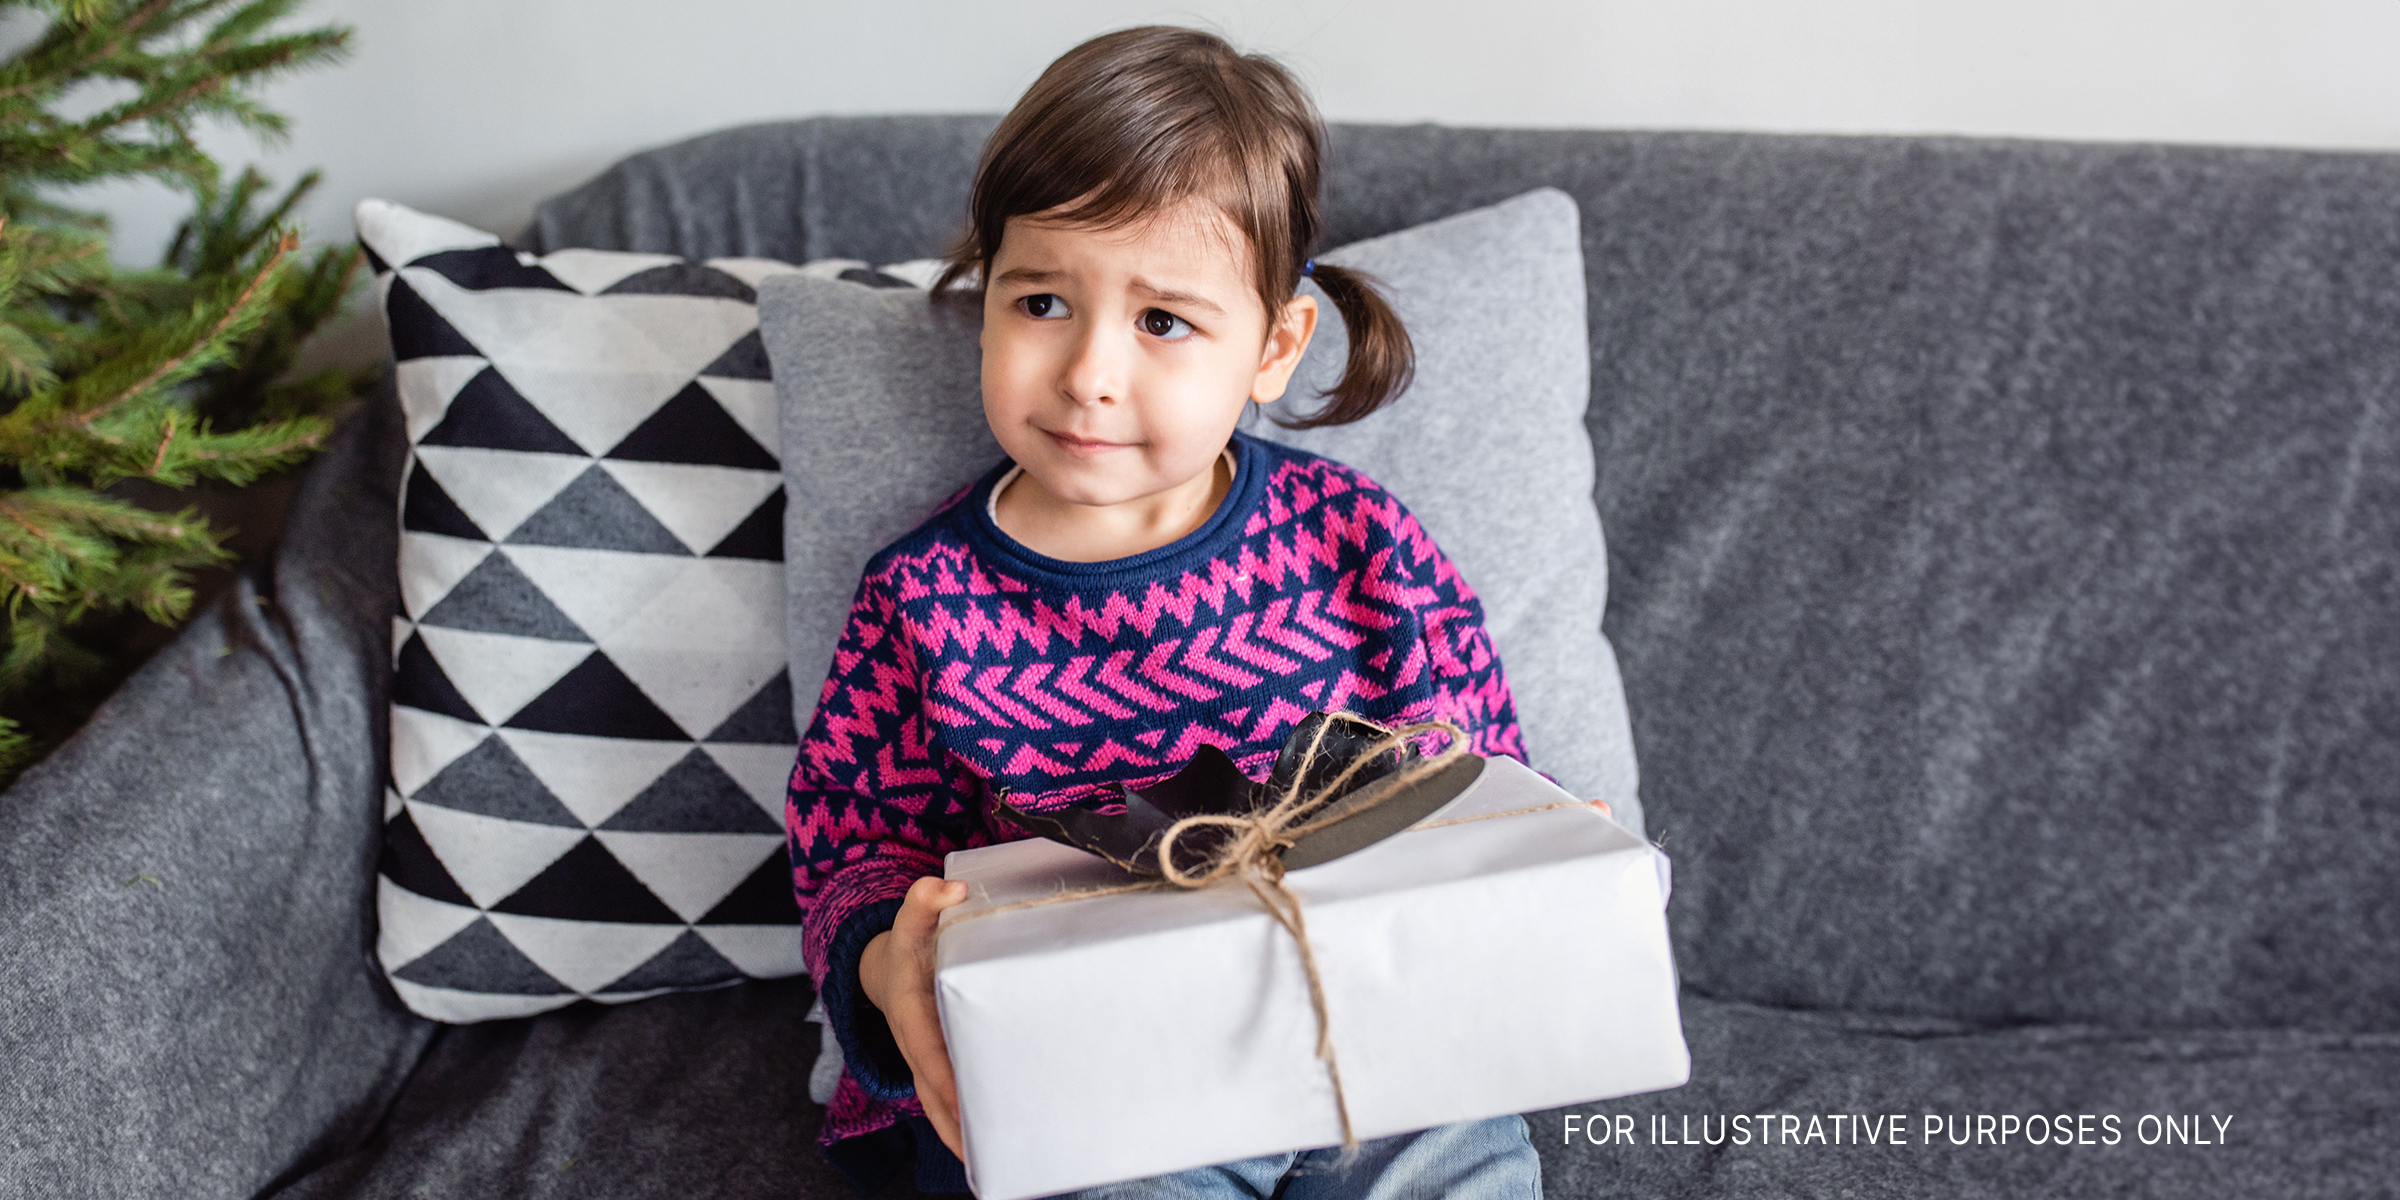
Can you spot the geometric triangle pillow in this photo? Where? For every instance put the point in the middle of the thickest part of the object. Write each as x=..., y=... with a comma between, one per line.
x=591, y=723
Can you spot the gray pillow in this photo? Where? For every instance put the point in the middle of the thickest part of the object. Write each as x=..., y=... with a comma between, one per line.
x=882, y=420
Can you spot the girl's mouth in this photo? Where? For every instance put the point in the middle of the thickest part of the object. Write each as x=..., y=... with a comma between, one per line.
x=1082, y=446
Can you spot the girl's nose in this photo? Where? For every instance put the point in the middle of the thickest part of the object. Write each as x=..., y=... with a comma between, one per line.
x=1098, y=370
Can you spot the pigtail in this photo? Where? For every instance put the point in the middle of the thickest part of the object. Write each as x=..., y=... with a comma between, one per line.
x=1382, y=361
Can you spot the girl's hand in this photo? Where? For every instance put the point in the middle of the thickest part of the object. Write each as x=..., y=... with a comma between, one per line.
x=1602, y=805
x=896, y=973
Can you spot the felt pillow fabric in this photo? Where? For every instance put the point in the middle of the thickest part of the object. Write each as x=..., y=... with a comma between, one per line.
x=591, y=726
x=883, y=420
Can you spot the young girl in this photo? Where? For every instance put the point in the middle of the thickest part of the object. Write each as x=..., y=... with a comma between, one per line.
x=1140, y=580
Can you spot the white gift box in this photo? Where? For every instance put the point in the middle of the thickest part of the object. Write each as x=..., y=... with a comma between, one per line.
x=1471, y=970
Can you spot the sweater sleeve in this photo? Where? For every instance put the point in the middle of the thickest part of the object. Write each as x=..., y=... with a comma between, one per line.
x=874, y=803
x=1462, y=679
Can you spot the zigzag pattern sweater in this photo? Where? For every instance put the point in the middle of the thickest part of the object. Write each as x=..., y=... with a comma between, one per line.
x=971, y=664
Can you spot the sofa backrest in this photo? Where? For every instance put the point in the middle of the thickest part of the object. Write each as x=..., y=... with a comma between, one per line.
x=2004, y=535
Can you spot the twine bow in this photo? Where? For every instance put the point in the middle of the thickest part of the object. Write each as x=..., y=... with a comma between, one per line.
x=1254, y=854
x=1252, y=845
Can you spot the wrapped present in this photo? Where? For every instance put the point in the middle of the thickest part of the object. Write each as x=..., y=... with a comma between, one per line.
x=1370, y=943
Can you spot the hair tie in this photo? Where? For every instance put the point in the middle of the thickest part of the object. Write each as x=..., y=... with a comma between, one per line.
x=1309, y=267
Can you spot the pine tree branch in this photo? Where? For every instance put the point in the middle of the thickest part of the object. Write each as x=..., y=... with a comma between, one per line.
x=233, y=313
x=246, y=22
x=109, y=374
x=167, y=438
x=276, y=216
x=16, y=750
x=212, y=79
x=78, y=506
x=9, y=509
x=81, y=549
x=137, y=111
x=18, y=584
x=102, y=53
x=34, y=266
x=308, y=440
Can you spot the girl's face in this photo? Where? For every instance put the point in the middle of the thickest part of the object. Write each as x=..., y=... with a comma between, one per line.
x=1116, y=362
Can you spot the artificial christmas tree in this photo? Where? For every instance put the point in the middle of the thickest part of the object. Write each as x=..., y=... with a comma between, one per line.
x=173, y=375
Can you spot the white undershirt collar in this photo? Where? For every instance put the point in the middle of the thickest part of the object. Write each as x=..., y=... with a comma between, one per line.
x=991, y=503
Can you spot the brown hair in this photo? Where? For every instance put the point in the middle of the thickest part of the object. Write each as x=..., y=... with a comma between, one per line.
x=1136, y=120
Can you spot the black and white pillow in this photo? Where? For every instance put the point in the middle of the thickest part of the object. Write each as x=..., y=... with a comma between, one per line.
x=591, y=719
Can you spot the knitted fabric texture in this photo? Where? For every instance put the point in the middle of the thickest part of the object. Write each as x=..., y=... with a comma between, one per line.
x=972, y=665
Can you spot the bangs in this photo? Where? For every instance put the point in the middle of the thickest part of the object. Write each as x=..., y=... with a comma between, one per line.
x=1131, y=125
x=1137, y=122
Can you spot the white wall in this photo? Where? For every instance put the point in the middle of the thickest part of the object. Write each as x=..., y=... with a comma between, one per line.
x=477, y=108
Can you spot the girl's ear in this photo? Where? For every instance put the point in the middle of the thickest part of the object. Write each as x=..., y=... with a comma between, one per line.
x=1287, y=340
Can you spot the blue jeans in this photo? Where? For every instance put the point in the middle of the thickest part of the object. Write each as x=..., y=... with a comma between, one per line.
x=1472, y=1160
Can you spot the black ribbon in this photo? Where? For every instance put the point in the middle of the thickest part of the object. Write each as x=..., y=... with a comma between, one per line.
x=1211, y=785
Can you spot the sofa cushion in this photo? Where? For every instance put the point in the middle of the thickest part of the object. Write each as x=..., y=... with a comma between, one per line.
x=701, y=1094
x=2009, y=548
x=590, y=723
x=883, y=418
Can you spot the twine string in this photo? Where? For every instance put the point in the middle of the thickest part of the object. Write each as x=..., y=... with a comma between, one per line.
x=1254, y=853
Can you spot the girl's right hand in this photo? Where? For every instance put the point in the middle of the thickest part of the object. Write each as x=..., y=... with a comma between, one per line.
x=896, y=972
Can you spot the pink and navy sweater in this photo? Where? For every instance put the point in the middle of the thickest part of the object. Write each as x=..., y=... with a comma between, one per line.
x=972, y=664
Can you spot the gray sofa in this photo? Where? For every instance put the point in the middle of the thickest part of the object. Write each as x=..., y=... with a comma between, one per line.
x=2005, y=548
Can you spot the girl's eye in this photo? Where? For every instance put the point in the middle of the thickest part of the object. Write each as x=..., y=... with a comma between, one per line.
x=1160, y=323
x=1042, y=305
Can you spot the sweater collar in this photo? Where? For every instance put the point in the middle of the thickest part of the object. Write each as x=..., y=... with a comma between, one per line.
x=1223, y=527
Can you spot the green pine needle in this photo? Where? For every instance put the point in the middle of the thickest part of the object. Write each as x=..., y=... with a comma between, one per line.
x=16, y=749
